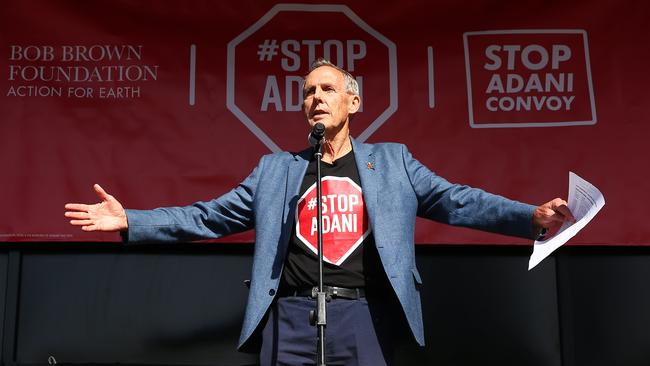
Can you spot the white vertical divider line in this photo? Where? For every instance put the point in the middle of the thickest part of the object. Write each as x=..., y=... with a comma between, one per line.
x=192, y=100
x=432, y=95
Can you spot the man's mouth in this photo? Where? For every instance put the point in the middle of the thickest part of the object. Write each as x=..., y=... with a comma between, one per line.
x=318, y=113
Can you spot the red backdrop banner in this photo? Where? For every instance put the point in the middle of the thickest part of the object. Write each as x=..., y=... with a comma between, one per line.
x=167, y=103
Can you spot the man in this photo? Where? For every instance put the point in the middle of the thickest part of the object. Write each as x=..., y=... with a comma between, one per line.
x=373, y=281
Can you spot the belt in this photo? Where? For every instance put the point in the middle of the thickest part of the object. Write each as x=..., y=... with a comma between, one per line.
x=331, y=292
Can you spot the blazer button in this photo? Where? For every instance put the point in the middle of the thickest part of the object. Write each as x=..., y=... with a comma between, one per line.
x=271, y=292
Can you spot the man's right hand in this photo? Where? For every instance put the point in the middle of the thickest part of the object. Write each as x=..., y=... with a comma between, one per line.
x=107, y=215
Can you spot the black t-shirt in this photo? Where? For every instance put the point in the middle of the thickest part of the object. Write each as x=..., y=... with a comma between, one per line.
x=350, y=256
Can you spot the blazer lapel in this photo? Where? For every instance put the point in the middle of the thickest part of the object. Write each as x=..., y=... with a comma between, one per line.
x=295, y=173
x=368, y=175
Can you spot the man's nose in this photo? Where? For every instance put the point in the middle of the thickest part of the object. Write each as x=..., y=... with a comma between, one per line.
x=318, y=93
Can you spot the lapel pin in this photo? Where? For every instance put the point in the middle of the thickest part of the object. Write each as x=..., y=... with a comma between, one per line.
x=370, y=166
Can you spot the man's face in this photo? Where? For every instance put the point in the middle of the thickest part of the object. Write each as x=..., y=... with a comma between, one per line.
x=325, y=99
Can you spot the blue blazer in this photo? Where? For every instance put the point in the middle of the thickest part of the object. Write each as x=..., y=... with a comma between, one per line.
x=396, y=189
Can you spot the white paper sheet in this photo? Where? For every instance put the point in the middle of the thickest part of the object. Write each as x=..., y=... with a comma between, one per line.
x=585, y=201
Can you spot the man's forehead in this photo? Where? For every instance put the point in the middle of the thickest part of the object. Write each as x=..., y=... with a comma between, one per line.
x=323, y=74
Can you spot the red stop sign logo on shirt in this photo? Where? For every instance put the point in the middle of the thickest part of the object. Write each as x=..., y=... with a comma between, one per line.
x=345, y=221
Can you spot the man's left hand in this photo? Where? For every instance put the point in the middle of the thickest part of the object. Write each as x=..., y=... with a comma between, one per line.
x=552, y=214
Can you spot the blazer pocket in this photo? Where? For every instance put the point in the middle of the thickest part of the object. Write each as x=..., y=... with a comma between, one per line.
x=416, y=277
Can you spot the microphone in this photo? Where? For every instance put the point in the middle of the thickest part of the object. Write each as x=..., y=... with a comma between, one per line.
x=316, y=134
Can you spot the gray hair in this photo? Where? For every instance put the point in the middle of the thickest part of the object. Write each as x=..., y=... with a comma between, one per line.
x=351, y=85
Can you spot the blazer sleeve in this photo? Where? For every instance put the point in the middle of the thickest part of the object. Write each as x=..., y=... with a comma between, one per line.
x=461, y=205
x=231, y=213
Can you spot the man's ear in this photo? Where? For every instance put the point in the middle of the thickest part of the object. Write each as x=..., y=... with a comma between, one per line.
x=355, y=104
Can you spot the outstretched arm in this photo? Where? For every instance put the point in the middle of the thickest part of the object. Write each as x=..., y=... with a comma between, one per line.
x=470, y=207
x=107, y=215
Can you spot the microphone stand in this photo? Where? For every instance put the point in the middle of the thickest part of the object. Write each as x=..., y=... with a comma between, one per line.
x=319, y=318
